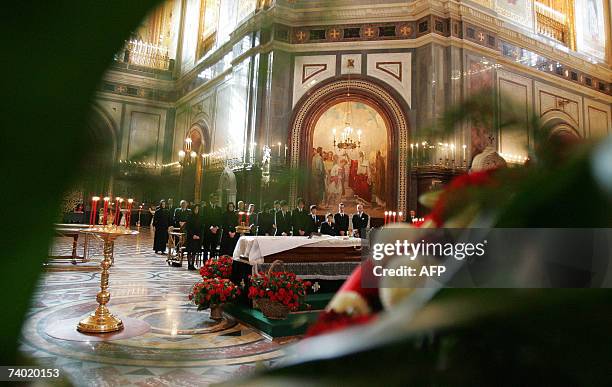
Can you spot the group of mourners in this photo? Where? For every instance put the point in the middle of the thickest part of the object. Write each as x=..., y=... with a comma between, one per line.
x=210, y=230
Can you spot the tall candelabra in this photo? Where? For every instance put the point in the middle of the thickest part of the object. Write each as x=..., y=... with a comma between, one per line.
x=102, y=320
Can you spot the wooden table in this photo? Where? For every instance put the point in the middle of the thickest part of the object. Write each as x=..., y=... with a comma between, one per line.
x=73, y=231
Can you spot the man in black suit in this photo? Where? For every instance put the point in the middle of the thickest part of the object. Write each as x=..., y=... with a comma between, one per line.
x=360, y=222
x=342, y=220
x=300, y=219
x=329, y=227
x=313, y=220
x=212, y=225
x=282, y=220
x=265, y=221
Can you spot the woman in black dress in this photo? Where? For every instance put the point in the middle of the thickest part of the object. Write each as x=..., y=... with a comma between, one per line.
x=161, y=222
x=195, y=231
x=230, y=236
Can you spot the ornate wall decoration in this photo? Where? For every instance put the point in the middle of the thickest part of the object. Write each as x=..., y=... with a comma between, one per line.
x=310, y=70
x=305, y=117
x=350, y=64
x=517, y=10
x=394, y=69
x=554, y=104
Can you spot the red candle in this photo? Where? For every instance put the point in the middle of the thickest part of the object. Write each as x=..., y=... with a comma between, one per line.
x=394, y=216
x=105, y=213
x=386, y=215
x=400, y=215
x=94, y=207
x=128, y=219
x=117, y=209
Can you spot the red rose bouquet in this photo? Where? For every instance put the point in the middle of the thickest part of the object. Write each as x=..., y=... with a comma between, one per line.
x=217, y=267
x=213, y=291
x=284, y=287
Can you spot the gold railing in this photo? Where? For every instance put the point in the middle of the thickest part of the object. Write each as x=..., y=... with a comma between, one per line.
x=139, y=53
x=552, y=23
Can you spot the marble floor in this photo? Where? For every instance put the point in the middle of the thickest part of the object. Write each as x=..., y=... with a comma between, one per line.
x=176, y=351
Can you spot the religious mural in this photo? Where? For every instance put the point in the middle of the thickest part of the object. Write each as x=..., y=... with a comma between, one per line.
x=590, y=29
x=351, y=176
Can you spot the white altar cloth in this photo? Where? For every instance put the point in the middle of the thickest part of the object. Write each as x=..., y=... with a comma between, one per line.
x=255, y=248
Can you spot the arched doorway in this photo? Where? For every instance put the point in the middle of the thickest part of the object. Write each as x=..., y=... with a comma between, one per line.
x=101, y=150
x=196, y=141
x=563, y=139
x=371, y=97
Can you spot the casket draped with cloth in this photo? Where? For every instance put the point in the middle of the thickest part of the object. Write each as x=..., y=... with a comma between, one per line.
x=325, y=259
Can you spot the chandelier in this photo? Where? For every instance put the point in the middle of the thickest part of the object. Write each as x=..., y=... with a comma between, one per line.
x=347, y=141
x=183, y=160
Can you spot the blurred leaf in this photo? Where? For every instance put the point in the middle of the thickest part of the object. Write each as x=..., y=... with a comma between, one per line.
x=55, y=55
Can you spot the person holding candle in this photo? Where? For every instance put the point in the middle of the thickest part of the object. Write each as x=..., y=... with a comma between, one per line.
x=299, y=219
x=195, y=230
x=229, y=239
x=161, y=222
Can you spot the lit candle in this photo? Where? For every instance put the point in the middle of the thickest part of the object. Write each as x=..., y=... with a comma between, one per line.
x=386, y=214
x=104, y=214
x=279, y=145
x=394, y=216
x=94, y=208
x=417, y=153
x=400, y=215
x=412, y=152
x=464, y=150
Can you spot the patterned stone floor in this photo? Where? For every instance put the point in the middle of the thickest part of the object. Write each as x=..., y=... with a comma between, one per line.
x=175, y=352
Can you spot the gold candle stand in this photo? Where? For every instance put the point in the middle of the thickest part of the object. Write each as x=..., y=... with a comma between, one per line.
x=102, y=320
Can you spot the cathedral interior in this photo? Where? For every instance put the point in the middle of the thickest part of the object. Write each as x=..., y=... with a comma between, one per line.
x=375, y=106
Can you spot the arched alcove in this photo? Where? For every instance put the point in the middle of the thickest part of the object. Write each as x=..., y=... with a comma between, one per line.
x=392, y=110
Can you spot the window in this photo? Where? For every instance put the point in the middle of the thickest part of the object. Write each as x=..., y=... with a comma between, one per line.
x=207, y=34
